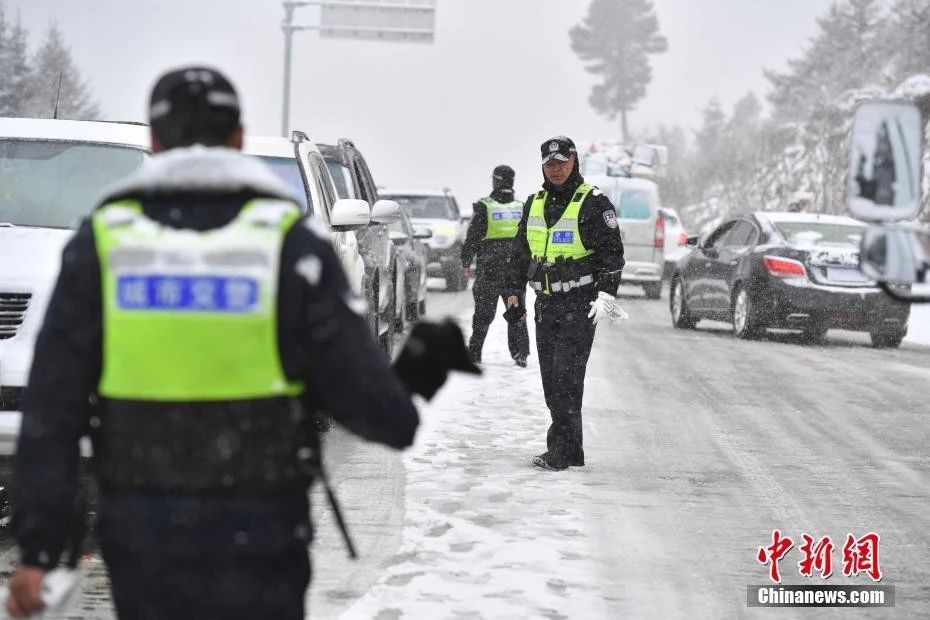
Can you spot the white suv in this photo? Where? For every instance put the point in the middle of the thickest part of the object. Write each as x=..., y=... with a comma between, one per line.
x=52, y=173
x=299, y=163
x=437, y=211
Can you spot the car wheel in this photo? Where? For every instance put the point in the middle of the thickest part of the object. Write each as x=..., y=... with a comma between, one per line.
x=745, y=323
x=653, y=290
x=681, y=316
x=887, y=340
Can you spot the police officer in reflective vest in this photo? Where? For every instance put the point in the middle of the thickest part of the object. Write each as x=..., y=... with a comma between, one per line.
x=198, y=316
x=568, y=249
x=490, y=234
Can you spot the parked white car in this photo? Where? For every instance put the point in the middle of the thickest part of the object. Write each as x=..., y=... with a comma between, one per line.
x=675, y=240
x=438, y=211
x=52, y=173
x=298, y=163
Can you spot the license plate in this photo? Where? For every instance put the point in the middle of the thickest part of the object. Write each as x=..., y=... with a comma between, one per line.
x=837, y=274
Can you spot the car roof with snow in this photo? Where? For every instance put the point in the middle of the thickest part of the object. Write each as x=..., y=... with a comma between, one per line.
x=819, y=218
x=101, y=132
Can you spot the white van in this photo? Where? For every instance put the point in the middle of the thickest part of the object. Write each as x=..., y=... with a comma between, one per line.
x=641, y=228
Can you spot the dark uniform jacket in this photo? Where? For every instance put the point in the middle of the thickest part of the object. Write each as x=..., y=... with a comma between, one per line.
x=493, y=253
x=242, y=453
x=598, y=229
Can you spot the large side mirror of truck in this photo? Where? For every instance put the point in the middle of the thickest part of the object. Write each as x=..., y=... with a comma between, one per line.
x=349, y=214
x=898, y=258
x=885, y=163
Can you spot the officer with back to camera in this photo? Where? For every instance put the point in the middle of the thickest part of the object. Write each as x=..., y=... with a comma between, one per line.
x=490, y=234
x=568, y=249
x=197, y=317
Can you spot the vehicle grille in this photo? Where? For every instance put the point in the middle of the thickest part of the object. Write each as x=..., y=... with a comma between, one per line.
x=11, y=398
x=12, y=312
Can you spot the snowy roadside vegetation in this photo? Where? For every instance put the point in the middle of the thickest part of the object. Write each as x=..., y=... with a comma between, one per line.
x=751, y=159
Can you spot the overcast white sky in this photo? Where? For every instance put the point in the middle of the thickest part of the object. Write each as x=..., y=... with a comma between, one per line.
x=500, y=78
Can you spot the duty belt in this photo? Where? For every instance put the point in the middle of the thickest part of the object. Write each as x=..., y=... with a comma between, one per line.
x=563, y=287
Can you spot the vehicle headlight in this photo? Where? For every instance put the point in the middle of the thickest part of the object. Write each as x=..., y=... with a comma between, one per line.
x=442, y=241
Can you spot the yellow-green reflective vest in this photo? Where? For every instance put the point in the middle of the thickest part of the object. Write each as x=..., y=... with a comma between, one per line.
x=503, y=218
x=563, y=239
x=192, y=316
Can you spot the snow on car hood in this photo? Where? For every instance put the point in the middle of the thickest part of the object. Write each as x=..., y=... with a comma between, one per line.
x=30, y=257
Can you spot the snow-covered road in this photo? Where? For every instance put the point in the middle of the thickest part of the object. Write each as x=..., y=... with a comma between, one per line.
x=697, y=445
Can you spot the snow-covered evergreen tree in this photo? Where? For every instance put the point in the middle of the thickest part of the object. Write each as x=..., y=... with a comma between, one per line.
x=53, y=64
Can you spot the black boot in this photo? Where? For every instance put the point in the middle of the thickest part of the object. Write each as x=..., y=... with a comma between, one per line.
x=546, y=461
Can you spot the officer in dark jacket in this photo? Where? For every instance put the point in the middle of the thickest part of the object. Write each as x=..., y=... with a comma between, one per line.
x=490, y=235
x=568, y=249
x=197, y=317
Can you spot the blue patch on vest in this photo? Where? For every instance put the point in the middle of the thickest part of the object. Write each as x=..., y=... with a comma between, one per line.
x=187, y=293
x=506, y=215
x=563, y=236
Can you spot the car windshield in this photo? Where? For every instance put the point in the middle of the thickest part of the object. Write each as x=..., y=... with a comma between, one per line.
x=426, y=207
x=813, y=234
x=53, y=184
x=632, y=204
x=288, y=171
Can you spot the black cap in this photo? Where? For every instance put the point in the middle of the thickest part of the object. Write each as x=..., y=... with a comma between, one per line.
x=503, y=177
x=558, y=148
x=193, y=105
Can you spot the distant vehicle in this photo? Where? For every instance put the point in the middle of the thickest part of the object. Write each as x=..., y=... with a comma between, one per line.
x=413, y=262
x=641, y=227
x=438, y=211
x=675, y=240
x=52, y=173
x=383, y=285
x=299, y=163
x=785, y=270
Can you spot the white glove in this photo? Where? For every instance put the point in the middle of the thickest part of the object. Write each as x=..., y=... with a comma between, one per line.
x=58, y=591
x=605, y=307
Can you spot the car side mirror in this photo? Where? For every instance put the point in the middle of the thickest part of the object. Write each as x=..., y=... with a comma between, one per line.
x=385, y=212
x=349, y=214
x=693, y=242
x=896, y=257
x=886, y=153
x=422, y=232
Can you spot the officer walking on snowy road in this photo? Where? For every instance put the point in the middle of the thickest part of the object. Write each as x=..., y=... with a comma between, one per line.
x=568, y=249
x=197, y=318
x=490, y=235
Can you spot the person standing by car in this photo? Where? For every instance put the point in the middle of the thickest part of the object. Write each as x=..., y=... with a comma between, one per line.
x=196, y=320
x=568, y=249
x=490, y=234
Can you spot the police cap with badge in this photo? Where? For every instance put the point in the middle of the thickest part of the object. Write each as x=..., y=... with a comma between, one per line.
x=559, y=148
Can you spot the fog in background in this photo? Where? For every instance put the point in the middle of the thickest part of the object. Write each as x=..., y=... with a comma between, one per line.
x=499, y=79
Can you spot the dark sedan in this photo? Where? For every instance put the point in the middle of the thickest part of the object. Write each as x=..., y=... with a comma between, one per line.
x=784, y=270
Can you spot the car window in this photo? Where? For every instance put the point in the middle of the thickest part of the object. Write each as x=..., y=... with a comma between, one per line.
x=288, y=170
x=741, y=235
x=426, y=207
x=53, y=184
x=342, y=179
x=718, y=237
x=632, y=204
x=808, y=234
x=366, y=186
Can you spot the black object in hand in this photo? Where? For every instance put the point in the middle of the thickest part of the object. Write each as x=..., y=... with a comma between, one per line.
x=514, y=314
x=431, y=351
